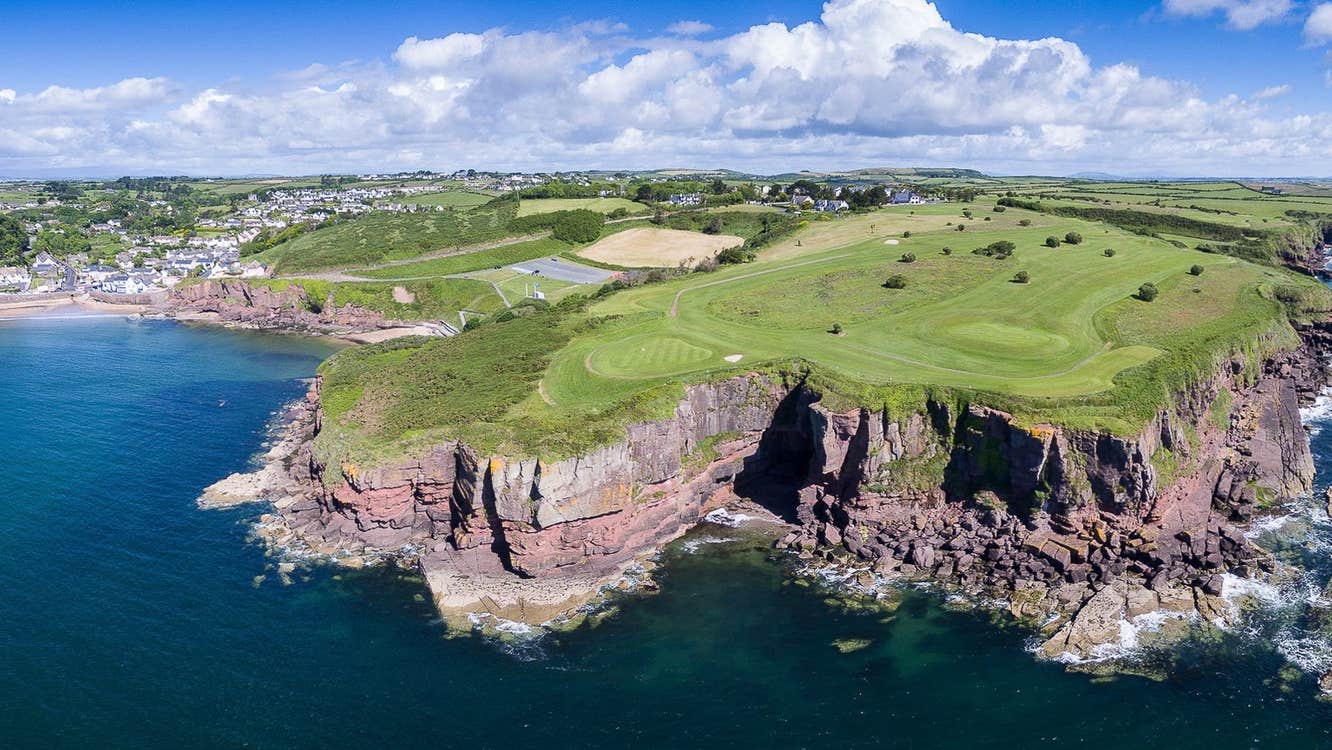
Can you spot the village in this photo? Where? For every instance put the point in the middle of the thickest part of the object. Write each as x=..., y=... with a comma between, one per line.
x=109, y=257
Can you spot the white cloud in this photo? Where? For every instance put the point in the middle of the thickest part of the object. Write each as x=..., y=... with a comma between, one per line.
x=1318, y=27
x=869, y=82
x=1240, y=14
x=689, y=28
x=439, y=53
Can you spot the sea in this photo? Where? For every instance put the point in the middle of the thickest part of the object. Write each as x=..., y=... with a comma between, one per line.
x=131, y=619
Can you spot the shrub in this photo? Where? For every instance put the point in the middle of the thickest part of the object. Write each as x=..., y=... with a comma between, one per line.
x=961, y=227
x=1052, y=241
x=906, y=234
x=1073, y=238
x=1147, y=292
x=1024, y=222
x=1109, y=252
x=579, y=225
x=618, y=213
x=987, y=218
x=1021, y=277
x=737, y=254
x=907, y=258
x=1001, y=249
x=896, y=281
x=947, y=251
x=999, y=209
x=1196, y=270
x=836, y=329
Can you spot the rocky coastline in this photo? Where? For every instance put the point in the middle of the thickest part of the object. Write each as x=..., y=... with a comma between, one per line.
x=237, y=304
x=1077, y=531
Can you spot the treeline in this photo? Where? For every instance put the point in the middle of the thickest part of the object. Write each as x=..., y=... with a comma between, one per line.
x=1139, y=222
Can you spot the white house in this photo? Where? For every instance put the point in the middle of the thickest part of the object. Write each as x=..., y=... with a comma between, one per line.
x=14, y=278
x=45, y=265
x=121, y=283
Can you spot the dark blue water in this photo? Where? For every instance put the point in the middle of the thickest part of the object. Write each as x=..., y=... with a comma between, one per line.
x=130, y=619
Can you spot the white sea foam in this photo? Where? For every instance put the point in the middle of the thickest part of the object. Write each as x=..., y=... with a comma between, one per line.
x=690, y=546
x=1316, y=415
x=724, y=517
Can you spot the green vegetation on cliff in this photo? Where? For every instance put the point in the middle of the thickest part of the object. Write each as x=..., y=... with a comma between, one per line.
x=1072, y=346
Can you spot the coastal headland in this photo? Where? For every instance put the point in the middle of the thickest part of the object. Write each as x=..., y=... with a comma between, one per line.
x=1086, y=440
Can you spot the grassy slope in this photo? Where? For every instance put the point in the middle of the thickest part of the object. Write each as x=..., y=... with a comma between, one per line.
x=532, y=206
x=436, y=299
x=476, y=261
x=379, y=237
x=451, y=199
x=1069, y=347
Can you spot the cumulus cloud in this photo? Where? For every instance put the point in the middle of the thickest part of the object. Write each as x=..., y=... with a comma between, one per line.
x=868, y=82
x=1318, y=26
x=1239, y=14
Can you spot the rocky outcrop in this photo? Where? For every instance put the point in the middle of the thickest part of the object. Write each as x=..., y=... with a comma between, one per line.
x=255, y=305
x=1047, y=516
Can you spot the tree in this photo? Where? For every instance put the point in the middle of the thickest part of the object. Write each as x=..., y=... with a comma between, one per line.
x=896, y=281
x=907, y=258
x=718, y=186
x=1109, y=252
x=1196, y=270
x=1021, y=277
x=1052, y=241
x=579, y=225
x=13, y=242
x=1073, y=238
x=1147, y=292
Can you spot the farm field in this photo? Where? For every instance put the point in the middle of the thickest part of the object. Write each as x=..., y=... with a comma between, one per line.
x=646, y=247
x=1072, y=345
x=450, y=199
x=530, y=206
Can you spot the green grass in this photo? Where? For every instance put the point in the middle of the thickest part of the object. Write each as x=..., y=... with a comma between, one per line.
x=530, y=206
x=380, y=237
x=451, y=199
x=435, y=299
x=1071, y=347
x=480, y=260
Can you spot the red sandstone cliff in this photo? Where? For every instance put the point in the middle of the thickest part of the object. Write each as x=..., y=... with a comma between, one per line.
x=960, y=493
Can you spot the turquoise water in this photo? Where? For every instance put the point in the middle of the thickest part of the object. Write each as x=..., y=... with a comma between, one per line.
x=130, y=619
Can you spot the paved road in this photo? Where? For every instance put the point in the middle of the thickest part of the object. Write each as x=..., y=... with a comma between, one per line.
x=562, y=270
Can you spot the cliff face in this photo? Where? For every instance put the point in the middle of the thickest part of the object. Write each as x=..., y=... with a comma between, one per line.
x=960, y=493
x=235, y=301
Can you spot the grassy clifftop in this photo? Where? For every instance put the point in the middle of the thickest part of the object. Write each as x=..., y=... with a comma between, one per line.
x=1053, y=333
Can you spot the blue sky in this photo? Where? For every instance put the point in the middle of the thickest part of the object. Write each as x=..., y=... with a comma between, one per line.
x=210, y=87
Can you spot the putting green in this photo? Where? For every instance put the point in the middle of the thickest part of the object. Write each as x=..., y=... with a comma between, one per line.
x=648, y=355
x=959, y=321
